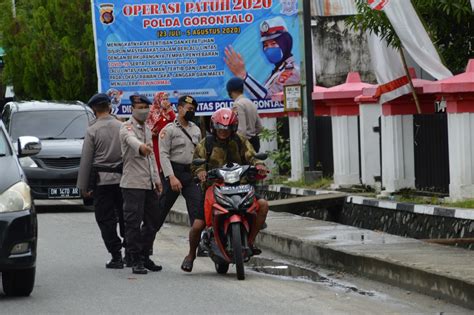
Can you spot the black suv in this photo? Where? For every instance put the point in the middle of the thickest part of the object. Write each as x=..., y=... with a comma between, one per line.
x=61, y=127
x=18, y=224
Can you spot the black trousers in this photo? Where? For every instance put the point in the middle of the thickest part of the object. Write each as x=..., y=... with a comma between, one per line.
x=108, y=209
x=140, y=205
x=191, y=192
x=255, y=141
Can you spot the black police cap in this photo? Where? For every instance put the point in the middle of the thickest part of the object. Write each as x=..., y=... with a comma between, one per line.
x=187, y=99
x=98, y=99
x=138, y=98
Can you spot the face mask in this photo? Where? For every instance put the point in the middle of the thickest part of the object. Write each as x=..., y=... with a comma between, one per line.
x=141, y=114
x=274, y=54
x=189, y=115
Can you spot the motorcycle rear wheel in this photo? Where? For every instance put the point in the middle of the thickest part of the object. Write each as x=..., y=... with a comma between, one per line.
x=222, y=268
x=237, y=251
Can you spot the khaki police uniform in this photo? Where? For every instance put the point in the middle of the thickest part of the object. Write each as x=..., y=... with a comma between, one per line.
x=99, y=171
x=250, y=124
x=176, y=155
x=138, y=188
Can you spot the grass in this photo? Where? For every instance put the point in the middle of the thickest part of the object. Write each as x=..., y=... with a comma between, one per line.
x=435, y=201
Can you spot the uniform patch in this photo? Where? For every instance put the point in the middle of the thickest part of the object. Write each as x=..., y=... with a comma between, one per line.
x=162, y=133
x=285, y=75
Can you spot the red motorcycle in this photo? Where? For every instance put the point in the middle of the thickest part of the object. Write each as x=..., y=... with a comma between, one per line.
x=231, y=211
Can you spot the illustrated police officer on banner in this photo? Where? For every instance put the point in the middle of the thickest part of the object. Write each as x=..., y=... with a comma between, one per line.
x=177, y=143
x=140, y=186
x=100, y=172
x=277, y=44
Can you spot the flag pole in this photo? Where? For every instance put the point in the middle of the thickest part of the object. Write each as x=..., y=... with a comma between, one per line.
x=415, y=96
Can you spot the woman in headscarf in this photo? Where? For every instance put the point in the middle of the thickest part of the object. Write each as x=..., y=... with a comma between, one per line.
x=161, y=114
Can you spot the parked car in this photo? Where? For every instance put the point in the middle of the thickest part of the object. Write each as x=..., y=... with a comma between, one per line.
x=61, y=127
x=18, y=224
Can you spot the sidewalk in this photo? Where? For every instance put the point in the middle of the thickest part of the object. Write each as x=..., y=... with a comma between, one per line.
x=440, y=271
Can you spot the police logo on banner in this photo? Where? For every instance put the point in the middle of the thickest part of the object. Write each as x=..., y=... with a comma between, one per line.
x=107, y=13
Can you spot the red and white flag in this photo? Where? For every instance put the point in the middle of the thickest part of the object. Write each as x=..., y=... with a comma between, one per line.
x=389, y=70
x=412, y=34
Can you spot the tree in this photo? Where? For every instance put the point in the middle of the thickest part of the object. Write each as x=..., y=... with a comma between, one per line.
x=450, y=24
x=49, y=49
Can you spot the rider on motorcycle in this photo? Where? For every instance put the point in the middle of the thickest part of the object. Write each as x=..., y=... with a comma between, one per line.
x=226, y=147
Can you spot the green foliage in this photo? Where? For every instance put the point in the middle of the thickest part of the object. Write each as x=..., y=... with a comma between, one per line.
x=323, y=183
x=281, y=156
x=450, y=23
x=49, y=49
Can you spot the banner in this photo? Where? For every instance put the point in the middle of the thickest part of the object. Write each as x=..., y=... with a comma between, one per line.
x=389, y=71
x=413, y=36
x=179, y=47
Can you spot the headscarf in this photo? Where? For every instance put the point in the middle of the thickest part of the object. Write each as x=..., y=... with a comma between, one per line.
x=155, y=109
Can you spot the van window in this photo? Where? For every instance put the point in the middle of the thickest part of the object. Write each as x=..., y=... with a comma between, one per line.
x=4, y=147
x=50, y=124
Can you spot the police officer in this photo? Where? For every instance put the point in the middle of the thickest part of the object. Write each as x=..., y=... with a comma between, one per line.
x=177, y=143
x=277, y=44
x=100, y=173
x=250, y=124
x=140, y=186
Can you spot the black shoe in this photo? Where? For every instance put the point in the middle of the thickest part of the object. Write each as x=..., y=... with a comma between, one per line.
x=138, y=266
x=128, y=260
x=255, y=250
x=150, y=265
x=116, y=262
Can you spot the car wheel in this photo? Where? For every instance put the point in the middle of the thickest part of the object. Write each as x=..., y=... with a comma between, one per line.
x=19, y=282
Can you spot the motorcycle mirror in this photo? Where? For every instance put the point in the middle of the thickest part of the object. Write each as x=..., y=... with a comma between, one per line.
x=199, y=162
x=261, y=156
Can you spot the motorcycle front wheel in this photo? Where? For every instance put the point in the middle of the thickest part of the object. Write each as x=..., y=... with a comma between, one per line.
x=237, y=251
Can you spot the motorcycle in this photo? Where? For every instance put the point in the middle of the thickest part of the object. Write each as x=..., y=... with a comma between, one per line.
x=233, y=210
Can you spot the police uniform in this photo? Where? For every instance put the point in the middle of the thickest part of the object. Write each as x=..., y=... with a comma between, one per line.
x=138, y=188
x=288, y=72
x=99, y=171
x=176, y=155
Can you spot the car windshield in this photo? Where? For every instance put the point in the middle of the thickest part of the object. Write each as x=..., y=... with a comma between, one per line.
x=4, y=147
x=50, y=124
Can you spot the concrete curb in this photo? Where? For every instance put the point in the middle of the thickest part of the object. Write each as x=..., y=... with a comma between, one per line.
x=319, y=249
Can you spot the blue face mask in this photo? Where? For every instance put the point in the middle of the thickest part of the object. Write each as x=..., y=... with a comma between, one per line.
x=274, y=54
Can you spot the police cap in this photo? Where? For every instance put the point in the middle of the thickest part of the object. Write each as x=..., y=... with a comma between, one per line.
x=235, y=84
x=187, y=99
x=139, y=98
x=98, y=99
x=272, y=28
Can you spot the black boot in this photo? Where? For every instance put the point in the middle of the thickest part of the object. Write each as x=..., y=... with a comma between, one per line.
x=138, y=266
x=150, y=264
x=116, y=262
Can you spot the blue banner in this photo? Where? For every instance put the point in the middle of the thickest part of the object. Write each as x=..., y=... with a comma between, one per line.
x=195, y=47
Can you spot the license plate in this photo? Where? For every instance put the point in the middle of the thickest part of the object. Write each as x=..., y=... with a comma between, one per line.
x=64, y=192
x=235, y=189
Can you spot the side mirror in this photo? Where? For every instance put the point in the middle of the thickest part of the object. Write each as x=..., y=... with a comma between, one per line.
x=28, y=146
x=261, y=156
x=199, y=162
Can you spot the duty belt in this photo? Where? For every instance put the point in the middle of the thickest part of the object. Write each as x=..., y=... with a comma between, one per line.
x=181, y=167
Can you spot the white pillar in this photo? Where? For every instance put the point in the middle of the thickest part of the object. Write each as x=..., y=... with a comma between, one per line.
x=461, y=155
x=398, y=156
x=296, y=147
x=369, y=142
x=272, y=145
x=345, y=150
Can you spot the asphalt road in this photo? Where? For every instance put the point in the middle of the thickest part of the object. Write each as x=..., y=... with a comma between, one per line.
x=72, y=279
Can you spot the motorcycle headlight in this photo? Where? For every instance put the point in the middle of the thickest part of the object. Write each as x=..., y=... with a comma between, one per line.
x=27, y=162
x=231, y=177
x=16, y=198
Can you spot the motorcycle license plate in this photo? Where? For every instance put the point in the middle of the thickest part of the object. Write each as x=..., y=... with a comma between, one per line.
x=235, y=189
